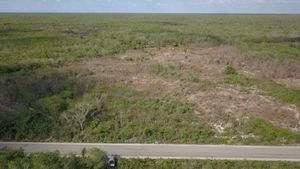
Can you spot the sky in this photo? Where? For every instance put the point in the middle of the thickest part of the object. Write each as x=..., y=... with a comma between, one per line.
x=152, y=6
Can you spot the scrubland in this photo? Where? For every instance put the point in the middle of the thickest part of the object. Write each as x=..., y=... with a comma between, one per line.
x=145, y=78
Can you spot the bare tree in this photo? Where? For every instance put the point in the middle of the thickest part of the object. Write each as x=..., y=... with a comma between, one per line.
x=81, y=112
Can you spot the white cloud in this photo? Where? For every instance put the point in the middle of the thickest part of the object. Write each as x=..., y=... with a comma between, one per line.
x=164, y=4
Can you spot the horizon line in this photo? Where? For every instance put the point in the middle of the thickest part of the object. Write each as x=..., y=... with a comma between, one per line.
x=221, y=13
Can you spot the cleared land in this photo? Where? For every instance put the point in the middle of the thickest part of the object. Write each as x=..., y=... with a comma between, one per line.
x=214, y=79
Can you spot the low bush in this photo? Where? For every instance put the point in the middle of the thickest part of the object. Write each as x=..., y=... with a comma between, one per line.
x=241, y=80
x=160, y=70
x=230, y=70
x=17, y=159
x=282, y=93
x=195, y=164
x=47, y=161
x=206, y=84
x=270, y=88
x=131, y=116
x=35, y=101
x=96, y=159
x=11, y=68
x=268, y=133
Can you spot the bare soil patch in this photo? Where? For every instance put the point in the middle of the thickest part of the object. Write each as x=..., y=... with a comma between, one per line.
x=202, y=62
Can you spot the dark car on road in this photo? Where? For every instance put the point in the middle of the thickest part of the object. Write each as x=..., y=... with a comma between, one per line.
x=112, y=161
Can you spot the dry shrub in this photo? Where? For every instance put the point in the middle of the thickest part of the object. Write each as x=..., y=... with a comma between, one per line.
x=278, y=69
x=222, y=55
x=262, y=68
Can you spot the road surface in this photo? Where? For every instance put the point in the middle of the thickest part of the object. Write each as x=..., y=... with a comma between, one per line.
x=168, y=151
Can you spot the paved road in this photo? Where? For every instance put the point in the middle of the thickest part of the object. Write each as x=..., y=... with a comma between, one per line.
x=170, y=151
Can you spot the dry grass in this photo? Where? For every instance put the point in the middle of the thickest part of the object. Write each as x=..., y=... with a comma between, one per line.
x=282, y=71
x=203, y=63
